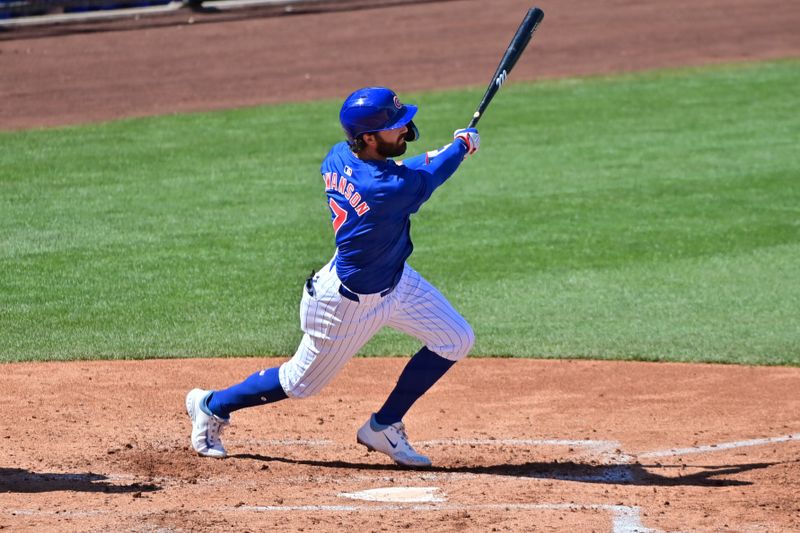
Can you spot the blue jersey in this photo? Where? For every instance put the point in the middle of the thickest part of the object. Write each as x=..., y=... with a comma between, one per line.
x=371, y=203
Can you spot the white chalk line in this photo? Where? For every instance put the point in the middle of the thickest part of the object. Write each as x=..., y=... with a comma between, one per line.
x=608, y=451
x=605, y=444
x=397, y=495
x=625, y=519
x=281, y=442
x=601, y=444
x=601, y=447
x=673, y=452
x=614, y=464
x=59, y=513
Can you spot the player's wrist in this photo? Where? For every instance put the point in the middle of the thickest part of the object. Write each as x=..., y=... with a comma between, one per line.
x=470, y=138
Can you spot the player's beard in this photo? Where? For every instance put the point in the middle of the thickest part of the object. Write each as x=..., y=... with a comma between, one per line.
x=386, y=149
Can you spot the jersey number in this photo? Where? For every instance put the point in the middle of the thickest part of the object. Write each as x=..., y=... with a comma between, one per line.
x=339, y=215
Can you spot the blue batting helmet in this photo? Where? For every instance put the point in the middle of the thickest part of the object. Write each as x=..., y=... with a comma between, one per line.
x=374, y=109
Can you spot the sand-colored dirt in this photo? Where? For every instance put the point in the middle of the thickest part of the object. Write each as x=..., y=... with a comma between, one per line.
x=517, y=445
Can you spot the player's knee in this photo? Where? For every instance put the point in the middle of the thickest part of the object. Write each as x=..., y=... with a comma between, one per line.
x=468, y=341
x=464, y=341
x=299, y=391
x=293, y=382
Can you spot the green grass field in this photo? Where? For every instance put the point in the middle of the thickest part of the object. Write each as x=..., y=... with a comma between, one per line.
x=651, y=216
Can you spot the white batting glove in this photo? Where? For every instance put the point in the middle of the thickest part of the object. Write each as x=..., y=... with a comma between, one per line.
x=470, y=137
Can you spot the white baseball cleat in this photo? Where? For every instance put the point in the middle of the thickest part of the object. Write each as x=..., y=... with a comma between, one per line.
x=206, y=427
x=391, y=440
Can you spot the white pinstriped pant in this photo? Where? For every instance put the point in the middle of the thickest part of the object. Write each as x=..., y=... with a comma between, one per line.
x=335, y=327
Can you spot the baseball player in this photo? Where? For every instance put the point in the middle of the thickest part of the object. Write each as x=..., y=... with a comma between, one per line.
x=367, y=284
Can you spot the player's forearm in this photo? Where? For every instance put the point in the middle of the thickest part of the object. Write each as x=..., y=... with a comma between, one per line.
x=419, y=161
x=439, y=164
x=416, y=162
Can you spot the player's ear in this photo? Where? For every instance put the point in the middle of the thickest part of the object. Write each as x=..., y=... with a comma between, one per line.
x=368, y=139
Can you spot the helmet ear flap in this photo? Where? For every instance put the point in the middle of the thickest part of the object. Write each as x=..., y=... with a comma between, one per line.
x=413, y=132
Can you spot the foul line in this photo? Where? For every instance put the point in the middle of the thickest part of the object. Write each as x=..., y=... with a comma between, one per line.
x=282, y=442
x=587, y=443
x=607, y=451
x=672, y=452
x=604, y=444
x=625, y=519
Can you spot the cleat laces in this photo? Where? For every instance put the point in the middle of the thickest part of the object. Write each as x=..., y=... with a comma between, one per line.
x=400, y=427
x=215, y=429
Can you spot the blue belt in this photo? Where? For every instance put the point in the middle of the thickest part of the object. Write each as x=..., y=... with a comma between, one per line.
x=342, y=289
x=354, y=297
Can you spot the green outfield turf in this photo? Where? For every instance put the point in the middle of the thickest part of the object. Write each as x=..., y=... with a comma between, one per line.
x=649, y=216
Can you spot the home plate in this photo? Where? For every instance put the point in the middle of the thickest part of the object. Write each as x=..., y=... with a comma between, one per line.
x=397, y=494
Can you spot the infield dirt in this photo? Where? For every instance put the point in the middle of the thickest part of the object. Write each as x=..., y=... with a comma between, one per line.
x=70, y=79
x=104, y=446
x=518, y=445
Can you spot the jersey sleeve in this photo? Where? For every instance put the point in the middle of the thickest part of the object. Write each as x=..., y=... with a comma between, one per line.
x=421, y=160
x=420, y=175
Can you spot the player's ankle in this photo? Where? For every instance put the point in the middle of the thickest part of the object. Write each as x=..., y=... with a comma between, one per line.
x=379, y=422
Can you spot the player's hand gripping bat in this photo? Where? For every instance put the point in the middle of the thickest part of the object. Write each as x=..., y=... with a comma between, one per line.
x=513, y=52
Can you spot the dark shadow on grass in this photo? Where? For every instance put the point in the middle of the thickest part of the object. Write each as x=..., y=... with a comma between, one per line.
x=621, y=474
x=25, y=481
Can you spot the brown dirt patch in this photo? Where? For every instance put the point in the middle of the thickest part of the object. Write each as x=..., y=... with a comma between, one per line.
x=78, y=78
x=517, y=445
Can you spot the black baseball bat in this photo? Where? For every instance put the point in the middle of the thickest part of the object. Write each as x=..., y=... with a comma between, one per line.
x=513, y=52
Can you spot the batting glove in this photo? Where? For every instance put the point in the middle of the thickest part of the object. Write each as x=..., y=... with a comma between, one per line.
x=470, y=137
